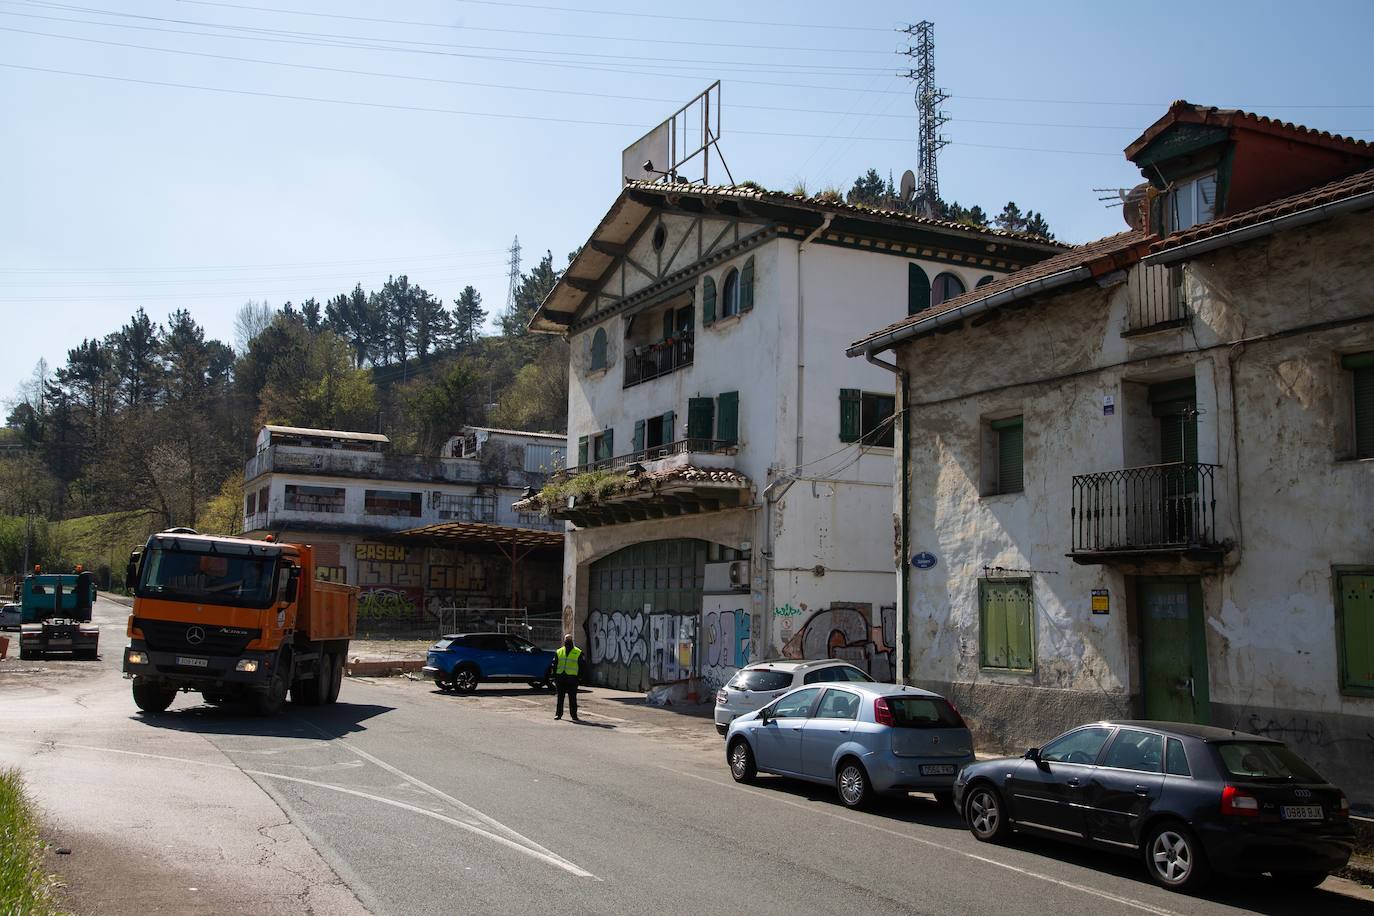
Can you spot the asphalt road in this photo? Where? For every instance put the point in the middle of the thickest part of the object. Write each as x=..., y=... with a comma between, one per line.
x=402, y=800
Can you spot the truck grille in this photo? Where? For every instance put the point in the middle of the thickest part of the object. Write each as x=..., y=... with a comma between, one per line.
x=175, y=636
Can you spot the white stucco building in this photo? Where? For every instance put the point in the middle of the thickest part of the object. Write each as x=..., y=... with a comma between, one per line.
x=731, y=491
x=371, y=515
x=1143, y=470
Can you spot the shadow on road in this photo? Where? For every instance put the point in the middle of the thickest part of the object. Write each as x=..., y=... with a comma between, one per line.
x=522, y=691
x=321, y=723
x=910, y=809
x=695, y=710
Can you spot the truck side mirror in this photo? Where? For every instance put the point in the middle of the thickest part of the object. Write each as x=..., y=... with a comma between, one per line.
x=293, y=581
x=131, y=572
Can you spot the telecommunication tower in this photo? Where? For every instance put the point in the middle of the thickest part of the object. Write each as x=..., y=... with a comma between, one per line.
x=929, y=98
x=514, y=286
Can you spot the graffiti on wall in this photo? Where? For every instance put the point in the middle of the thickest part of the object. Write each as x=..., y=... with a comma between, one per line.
x=672, y=647
x=631, y=650
x=727, y=638
x=846, y=631
x=385, y=603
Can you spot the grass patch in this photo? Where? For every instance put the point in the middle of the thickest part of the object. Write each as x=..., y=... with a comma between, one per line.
x=588, y=487
x=24, y=886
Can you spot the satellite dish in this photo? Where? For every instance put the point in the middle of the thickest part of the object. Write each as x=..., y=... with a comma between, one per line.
x=1133, y=205
x=908, y=186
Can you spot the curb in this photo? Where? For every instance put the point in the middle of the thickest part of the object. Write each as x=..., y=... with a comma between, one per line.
x=382, y=667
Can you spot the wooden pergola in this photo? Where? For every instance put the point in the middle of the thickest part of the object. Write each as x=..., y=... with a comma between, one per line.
x=511, y=542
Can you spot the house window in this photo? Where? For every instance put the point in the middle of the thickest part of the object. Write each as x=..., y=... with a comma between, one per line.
x=1006, y=631
x=603, y=446
x=660, y=236
x=314, y=499
x=250, y=505
x=866, y=417
x=947, y=286
x=599, y=349
x=917, y=290
x=391, y=502
x=1192, y=202
x=466, y=507
x=729, y=294
x=1361, y=369
x=1007, y=459
x=654, y=433
x=1355, y=629
x=987, y=278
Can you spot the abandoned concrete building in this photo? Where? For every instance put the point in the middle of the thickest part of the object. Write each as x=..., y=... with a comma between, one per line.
x=730, y=495
x=417, y=533
x=1155, y=501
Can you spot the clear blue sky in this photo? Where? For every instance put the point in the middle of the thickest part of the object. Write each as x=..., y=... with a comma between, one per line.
x=118, y=194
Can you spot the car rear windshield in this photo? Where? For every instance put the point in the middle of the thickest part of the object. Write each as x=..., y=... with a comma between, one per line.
x=761, y=679
x=1256, y=760
x=442, y=644
x=923, y=712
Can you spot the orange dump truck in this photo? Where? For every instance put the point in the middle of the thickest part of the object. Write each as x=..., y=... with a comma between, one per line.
x=236, y=620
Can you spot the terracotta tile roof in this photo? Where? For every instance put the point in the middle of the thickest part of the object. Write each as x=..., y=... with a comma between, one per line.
x=1186, y=112
x=783, y=198
x=1119, y=249
x=1359, y=183
x=693, y=474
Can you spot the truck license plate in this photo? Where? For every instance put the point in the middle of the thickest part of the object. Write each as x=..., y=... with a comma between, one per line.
x=193, y=662
x=60, y=643
x=1302, y=812
x=937, y=769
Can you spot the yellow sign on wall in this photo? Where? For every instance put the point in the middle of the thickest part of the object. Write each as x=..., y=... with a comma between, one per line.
x=1101, y=601
x=385, y=553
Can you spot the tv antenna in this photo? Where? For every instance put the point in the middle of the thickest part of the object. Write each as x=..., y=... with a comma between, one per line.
x=929, y=98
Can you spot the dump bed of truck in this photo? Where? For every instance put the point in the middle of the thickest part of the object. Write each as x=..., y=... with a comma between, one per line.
x=325, y=610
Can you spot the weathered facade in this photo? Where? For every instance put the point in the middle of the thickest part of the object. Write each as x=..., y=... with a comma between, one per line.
x=1154, y=501
x=731, y=489
x=347, y=494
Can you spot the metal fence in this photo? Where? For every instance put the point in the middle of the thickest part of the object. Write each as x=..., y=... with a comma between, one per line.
x=1155, y=507
x=680, y=447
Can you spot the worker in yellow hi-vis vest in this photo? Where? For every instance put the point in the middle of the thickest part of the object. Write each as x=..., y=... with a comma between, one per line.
x=566, y=666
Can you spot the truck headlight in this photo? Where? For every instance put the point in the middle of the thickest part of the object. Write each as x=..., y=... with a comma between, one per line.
x=250, y=665
x=136, y=658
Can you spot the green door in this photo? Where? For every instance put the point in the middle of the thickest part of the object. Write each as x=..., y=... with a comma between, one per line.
x=1174, y=650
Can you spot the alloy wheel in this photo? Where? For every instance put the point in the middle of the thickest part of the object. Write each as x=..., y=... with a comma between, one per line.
x=1171, y=857
x=984, y=814
x=739, y=759
x=465, y=680
x=852, y=784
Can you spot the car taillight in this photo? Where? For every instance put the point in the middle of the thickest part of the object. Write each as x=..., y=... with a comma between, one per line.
x=882, y=713
x=1238, y=803
x=721, y=696
x=958, y=716
x=1342, y=807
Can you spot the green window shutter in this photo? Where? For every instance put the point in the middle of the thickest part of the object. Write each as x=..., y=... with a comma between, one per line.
x=727, y=422
x=599, y=349
x=708, y=300
x=701, y=418
x=849, y=414
x=639, y=436
x=581, y=451
x=917, y=290
x=1364, y=412
x=1010, y=454
x=992, y=626
x=746, y=286
x=1006, y=625
x=669, y=420
x=605, y=445
x=1356, y=596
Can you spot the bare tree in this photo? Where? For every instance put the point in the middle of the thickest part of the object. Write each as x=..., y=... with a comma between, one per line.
x=252, y=319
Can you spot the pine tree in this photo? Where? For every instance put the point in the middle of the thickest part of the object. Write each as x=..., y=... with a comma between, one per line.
x=468, y=317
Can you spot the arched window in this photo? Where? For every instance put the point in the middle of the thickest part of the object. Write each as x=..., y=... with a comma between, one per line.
x=987, y=278
x=599, y=349
x=746, y=286
x=917, y=290
x=729, y=294
x=946, y=286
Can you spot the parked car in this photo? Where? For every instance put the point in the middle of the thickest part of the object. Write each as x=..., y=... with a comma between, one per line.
x=461, y=661
x=863, y=738
x=10, y=616
x=755, y=685
x=1187, y=799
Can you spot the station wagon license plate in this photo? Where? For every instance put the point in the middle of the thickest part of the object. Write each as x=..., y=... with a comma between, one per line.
x=193, y=662
x=1302, y=812
x=937, y=769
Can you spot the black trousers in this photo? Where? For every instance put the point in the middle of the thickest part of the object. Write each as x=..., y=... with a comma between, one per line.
x=567, y=684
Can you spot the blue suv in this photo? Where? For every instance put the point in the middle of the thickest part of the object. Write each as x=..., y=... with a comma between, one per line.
x=461, y=661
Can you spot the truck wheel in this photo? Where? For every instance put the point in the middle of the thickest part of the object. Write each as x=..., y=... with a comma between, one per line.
x=271, y=702
x=25, y=654
x=214, y=697
x=152, y=698
x=314, y=691
x=336, y=673
x=324, y=681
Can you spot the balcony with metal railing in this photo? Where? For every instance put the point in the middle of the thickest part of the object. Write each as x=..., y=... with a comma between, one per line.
x=650, y=361
x=1158, y=511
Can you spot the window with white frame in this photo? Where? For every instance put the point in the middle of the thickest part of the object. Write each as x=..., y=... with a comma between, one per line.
x=1192, y=202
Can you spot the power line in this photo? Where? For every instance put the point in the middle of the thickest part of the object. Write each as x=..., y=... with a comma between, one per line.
x=603, y=12
x=579, y=36
x=289, y=264
x=456, y=270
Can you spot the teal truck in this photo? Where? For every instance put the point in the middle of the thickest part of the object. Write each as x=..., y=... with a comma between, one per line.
x=55, y=615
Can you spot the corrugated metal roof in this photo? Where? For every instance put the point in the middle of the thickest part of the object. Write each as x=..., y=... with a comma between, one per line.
x=326, y=433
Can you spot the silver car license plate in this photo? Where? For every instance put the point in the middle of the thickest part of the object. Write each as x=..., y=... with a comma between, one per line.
x=1302, y=812
x=193, y=662
x=937, y=769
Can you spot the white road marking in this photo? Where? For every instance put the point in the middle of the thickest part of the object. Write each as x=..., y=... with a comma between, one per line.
x=1106, y=895
x=521, y=845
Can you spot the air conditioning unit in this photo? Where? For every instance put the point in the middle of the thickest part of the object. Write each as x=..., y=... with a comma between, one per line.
x=739, y=575
x=727, y=577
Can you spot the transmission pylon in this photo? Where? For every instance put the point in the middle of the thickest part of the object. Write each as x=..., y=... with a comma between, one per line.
x=514, y=286
x=929, y=98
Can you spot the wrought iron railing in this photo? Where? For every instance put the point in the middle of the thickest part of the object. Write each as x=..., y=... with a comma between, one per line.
x=680, y=447
x=1156, y=297
x=1160, y=506
x=650, y=361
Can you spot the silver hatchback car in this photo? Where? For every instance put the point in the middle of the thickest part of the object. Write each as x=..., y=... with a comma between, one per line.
x=865, y=739
x=754, y=686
